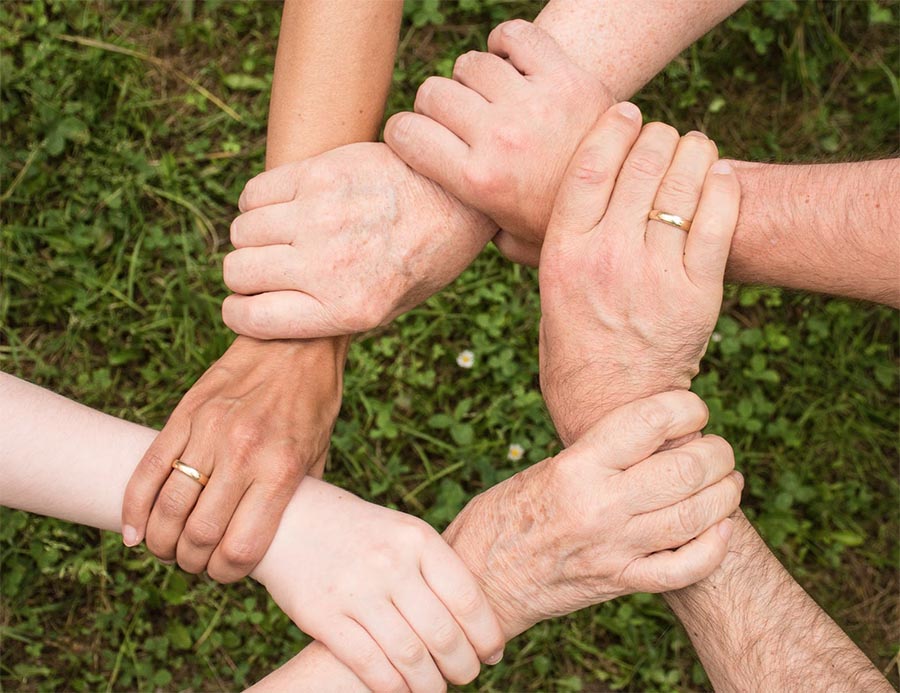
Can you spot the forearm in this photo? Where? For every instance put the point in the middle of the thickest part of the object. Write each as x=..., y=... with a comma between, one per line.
x=323, y=44
x=626, y=43
x=756, y=629
x=332, y=73
x=830, y=228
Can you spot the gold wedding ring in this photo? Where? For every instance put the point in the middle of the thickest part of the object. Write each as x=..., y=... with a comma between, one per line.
x=670, y=219
x=189, y=471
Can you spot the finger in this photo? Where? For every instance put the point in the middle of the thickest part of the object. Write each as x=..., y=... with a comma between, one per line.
x=403, y=648
x=709, y=241
x=209, y=519
x=639, y=180
x=671, y=570
x=250, y=531
x=354, y=647
x=279, y=184
x=459, y=591
x=529, y=48
x=278, y=315
x=267, y=268
x=633, y=432
x=150, y=475
x=453, y=105
x=677, y=524
x=274, y=224
x=584, y=194
x=517, y=250
x=672, y=476
x=445, y=640
x=488, y=75
x=176, y=500
x=679, y=194
x=429, y=148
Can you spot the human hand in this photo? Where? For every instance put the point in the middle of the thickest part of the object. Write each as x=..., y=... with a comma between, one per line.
x=342, y=243
x=381, y=590
x=606, y=517
x=256, y=423
x=500, y=134
x=629, y=304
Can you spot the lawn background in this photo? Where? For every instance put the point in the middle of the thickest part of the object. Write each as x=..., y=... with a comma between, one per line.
x=128, y=130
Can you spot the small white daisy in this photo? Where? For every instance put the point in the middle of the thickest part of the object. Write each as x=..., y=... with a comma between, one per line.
x=466, y=359
x=515, y=453
x=716, y=337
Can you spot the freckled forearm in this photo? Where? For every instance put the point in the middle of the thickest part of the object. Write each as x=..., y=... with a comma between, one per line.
x=830, y=228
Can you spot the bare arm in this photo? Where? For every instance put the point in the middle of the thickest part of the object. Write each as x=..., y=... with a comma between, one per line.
x=756, y=629
x=280, y=396
x=831, y=228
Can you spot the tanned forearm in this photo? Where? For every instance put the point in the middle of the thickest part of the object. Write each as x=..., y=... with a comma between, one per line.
x=756, y=629
x=332, y=74
x=830, y=228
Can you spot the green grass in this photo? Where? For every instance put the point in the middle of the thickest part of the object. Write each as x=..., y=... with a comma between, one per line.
x=119, y=175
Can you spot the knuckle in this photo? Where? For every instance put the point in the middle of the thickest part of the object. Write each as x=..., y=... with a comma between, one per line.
x=646, y=163
x=425, y=91
x=591, y=168
x=681, y=187
x=482, y=178
x=203, y=533
x=464, y=63
x=653, y=415
x=411, y=653
x=689, y=471
x=689, y=518
x=469, y=602
x=240, y=554
x=173, y=503
x=721, y=449
x=157, y=464
x=445, y=638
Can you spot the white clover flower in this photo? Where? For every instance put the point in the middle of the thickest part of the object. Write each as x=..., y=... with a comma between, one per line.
x=716, y=337
x=466, y=359
x=516, y=452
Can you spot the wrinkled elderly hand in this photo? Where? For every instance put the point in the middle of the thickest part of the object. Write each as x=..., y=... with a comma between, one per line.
x=256, y=423
x=606, y=517
x=342, y=243
x=629, y=304
x=500, y=134
x=381, y=590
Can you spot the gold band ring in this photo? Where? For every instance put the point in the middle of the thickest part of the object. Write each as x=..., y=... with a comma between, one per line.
x=670, y=219
x=189, y=471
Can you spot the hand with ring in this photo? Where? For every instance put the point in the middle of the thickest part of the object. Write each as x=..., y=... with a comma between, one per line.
x=632, y=266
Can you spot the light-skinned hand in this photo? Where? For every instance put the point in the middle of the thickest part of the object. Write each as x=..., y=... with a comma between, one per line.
x=607, y=517
x=342, y=243
x=382, y=590
x=628, y=304
x=256, y=423
x=500, y=134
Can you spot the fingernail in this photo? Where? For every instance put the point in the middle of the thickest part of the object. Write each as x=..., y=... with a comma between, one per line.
x=494, y=658
x=740, y=478
x=629, y=110
x=726, y=528
x=130, y=536
x=697, y=133
x=166, y=562
x=721, y=167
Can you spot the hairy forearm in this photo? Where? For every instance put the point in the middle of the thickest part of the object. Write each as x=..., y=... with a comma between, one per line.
x=626, y=43
x=756, y=629
x=830, y=228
